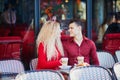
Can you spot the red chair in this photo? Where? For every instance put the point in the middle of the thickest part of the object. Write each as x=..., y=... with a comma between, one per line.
x=111, y=42
x=28, y=46
x=10, y=47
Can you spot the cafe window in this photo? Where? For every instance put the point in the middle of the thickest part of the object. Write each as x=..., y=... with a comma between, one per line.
x=80, y=11
x=118, y=5
x=1, y=5
x=63, y=9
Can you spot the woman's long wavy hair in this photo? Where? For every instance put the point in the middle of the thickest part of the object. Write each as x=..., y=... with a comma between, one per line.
x=50, y=37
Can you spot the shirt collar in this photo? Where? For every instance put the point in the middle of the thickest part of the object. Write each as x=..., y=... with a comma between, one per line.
x=84, y=39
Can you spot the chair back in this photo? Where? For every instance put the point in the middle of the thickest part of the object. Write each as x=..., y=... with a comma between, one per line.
x=40, y=75
x=11, y=66
x=117, y=54
x=105, y=59
x=116, y=69
x=10, y=47
x=8, y=76
x=90, y=73
x=33, y=64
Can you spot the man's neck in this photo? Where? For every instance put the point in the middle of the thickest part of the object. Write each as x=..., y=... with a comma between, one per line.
x=78, y=40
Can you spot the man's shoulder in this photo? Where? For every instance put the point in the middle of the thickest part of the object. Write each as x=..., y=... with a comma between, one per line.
x=88, y=41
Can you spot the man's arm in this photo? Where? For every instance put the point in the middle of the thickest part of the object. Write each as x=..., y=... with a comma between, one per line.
x=93, y=54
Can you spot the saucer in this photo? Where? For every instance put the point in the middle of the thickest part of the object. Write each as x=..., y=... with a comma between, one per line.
x=65, y=67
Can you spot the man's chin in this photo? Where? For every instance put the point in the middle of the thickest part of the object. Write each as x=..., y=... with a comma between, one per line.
x=71, y=36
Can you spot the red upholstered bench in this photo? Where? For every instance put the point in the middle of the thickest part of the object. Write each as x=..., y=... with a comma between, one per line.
x=4, y=32
x=10, y=47
x=111, y=42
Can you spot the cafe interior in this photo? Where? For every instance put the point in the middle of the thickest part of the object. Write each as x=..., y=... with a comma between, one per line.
x=18, y=52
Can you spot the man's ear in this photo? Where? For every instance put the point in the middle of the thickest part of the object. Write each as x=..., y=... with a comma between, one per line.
x=80, y=27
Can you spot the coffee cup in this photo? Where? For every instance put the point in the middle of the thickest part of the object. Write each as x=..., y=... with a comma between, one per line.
x=64, y=61
x=80, y=59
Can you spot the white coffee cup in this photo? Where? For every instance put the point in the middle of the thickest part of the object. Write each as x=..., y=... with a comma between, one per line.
x=80, y=59
x=64, y=61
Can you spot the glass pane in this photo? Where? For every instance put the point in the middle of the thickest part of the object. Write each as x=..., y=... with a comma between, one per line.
x=118, y=5
x=80, y=10
x=63, y=9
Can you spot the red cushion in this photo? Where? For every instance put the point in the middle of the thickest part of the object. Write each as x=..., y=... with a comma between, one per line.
x=113, y=36
x=4, y=32
x=111, y=42
x=10, y=39
x=10, y=47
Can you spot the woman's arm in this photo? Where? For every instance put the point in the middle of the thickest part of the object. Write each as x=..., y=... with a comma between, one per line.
x=42, y=60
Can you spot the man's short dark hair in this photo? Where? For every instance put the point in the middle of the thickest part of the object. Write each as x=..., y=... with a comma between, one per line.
x=76, y=21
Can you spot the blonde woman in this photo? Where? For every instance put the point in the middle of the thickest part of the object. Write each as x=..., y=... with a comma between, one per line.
x=49, y=46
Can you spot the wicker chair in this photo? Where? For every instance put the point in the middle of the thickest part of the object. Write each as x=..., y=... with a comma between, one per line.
x=11, y=66
x=117, y=54
x=40, y=75
x=90, y=73
x=105, y=59
x=33, y=64
x=116, y=69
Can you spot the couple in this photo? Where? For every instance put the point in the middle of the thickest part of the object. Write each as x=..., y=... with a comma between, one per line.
x=51, y=49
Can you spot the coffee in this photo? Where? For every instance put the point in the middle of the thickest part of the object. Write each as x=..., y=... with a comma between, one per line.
x=80, y=59
x=64, y=61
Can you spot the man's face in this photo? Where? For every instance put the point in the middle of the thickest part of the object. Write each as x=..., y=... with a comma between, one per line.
x=74, y=29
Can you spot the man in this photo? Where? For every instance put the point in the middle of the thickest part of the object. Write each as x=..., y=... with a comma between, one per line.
x=78, y=45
